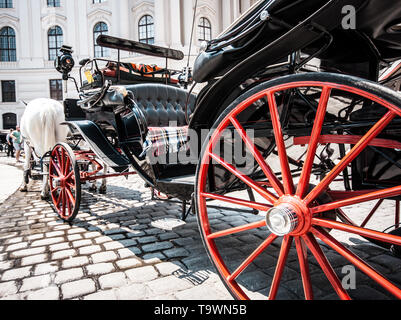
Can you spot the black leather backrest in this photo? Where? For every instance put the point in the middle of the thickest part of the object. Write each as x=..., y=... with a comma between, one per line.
x=162, y=104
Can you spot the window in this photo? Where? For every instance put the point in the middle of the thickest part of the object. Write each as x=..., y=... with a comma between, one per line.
x=55, y=41
x=8, y=91
x=205, y=30
x=8, y=50
x=146, y=29
x=9, y=121
x=6, y=3
x=98, y=1
x=56, y=89
x=99, y=29
x=53, y=3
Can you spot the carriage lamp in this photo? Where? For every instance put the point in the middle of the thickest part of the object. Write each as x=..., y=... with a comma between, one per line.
x=65, y=62
x=281, y=220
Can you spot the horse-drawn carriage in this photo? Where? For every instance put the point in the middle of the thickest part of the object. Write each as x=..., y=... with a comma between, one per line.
x=301, y=113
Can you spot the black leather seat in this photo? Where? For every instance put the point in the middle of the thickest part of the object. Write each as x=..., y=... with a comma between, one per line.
x=163, y=105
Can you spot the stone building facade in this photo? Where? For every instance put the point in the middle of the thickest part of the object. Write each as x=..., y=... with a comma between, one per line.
x=32, y=31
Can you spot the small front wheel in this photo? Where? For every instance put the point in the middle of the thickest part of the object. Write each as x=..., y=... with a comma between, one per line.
x=65, y=183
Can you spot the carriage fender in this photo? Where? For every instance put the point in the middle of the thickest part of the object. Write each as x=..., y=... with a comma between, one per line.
x=99, y=144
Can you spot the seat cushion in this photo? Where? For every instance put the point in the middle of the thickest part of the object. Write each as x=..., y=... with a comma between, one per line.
x=163, y=105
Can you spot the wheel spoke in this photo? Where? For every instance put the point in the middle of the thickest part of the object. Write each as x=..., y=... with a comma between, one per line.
x=313, y=144
x=372, y=212
x=355, y=260
x=69, y=207
x=63, y=166
x=325, y=265
x=63, y=203
x=249, y=204
x=69, y=176
x=252, y=257
x=70, y=195
x=263, y=192
x=304, y=268
x=54, y=190
x=279, y=137
x=227, y=232
x=71, y=186
x=58, y=157
x=58, y=169
x=356, y=150
x=380, y=194
x=389, y=238
x=274, y=181
x=282, y=259
x=67, y=166
x=59, y=199
x=344, y=218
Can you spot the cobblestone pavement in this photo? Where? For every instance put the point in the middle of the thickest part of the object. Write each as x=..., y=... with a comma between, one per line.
x=121, y=247
x=10, y=181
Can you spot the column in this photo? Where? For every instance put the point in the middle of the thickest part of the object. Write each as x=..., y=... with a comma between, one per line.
x=70, y=38
x=175, y=24
x=246, y=4
x=236, y=9
x=83, y=44
x=227, y=10
x=160, y=22
x=125, y=25
x=35, y=41
x=115, y=24
x=24, y=41
x=188, y=9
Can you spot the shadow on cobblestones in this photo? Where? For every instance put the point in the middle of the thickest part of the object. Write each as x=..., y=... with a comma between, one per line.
x=124, y=245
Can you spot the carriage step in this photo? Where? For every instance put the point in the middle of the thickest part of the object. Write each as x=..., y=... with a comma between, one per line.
x=183, y=184
x=188, y=181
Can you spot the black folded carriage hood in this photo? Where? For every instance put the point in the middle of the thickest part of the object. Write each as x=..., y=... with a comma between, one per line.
x=379, y=20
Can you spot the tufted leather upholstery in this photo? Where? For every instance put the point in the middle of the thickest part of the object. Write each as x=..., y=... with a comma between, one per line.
x=162, y=105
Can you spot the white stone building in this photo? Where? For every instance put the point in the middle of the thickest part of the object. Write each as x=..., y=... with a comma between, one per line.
x=32, y=31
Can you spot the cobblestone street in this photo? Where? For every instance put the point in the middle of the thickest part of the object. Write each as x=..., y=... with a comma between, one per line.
x=122, y=246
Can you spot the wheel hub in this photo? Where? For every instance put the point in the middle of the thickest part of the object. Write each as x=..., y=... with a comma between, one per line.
x=288, y=216
x=281, y=220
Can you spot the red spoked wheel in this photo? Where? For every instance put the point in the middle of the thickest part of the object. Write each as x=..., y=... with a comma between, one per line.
x=302, y=179
x=65, y=183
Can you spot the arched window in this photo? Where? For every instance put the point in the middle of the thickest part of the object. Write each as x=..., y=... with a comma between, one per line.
x=9, y=121
x=55, y=41
x=146, y=27
x=8, y=48
x=53, y=3
x=99, y=29
x=205, y=30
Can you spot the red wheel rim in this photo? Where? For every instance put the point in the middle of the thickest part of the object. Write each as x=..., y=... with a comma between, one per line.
x=63, y=184
x=311, y=223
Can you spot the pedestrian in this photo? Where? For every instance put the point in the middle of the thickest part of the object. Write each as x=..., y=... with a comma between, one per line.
x=10, y=145
x=17, y=143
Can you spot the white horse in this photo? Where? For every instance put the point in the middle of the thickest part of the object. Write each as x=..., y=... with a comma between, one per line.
x=41, y=129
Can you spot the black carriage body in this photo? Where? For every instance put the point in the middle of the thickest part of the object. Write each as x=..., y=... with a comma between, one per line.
x=116, y=131
x=247, y=54
x=260, y=46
